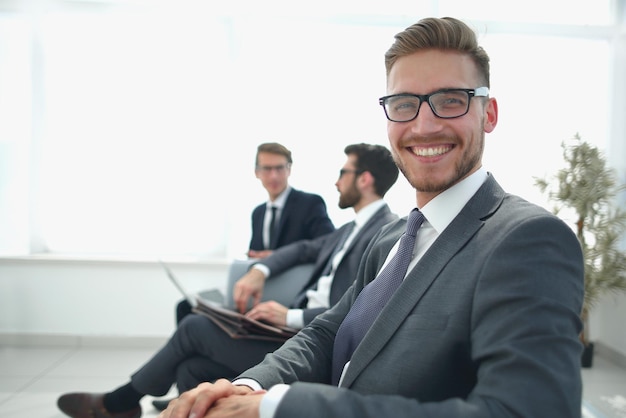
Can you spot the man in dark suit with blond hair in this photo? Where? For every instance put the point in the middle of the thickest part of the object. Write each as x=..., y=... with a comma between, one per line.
x=289, y=215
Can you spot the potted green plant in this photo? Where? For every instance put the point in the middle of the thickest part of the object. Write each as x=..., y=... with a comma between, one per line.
x=586, y=188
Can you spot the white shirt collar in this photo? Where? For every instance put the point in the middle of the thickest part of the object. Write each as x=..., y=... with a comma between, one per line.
x=279, y=202
x=364, y=215
x=444, y=207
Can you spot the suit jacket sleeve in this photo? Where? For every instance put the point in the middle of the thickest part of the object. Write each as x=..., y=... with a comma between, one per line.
x=485, y=326
x=256, y=241
x=299, y=252
x=318, y=223
x=304, y=216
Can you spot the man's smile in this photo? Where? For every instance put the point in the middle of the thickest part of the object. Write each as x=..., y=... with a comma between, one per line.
x=431, y=151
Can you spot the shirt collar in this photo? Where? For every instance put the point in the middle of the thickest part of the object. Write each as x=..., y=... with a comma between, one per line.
x=279, y=202
x=366, y=212
x=444, y=207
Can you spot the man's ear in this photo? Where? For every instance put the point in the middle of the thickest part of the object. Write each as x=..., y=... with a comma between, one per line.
x=491, y=115
x=366, y=179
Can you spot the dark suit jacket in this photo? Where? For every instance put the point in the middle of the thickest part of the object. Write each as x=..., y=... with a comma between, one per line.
x=485, y=326
x=319, y=251
x=304, y=216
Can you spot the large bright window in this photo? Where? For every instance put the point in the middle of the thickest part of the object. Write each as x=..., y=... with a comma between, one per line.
x=129, y=128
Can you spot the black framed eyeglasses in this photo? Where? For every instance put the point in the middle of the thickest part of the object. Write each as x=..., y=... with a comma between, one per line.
x=445, y=104
x=345, y=171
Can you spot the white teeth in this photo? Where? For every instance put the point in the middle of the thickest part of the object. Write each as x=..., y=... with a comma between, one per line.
x=430, y=152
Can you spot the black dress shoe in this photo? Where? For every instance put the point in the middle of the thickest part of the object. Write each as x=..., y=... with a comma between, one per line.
x=161, y=404
x=90, y=405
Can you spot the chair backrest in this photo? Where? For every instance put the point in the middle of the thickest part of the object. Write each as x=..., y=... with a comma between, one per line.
x=282, y=288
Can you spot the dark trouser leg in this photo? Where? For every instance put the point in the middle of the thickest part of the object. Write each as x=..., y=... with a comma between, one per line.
x=195, y=370
x=182, y=310
x=197, y=336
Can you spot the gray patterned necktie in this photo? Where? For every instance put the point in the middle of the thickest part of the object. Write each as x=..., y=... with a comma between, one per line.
x=373, y=298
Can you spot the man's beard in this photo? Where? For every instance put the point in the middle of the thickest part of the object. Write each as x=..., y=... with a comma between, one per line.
x=468, y=163
x=349, y=198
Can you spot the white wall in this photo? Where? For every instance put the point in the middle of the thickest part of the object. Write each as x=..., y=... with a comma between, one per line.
x=607, y=324
x=119, y=300
x=61, y=298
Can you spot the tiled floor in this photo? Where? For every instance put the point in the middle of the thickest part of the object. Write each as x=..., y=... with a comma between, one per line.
x=31, y=379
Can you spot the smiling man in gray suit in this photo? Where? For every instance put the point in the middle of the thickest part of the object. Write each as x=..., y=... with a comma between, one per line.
x=485, y=323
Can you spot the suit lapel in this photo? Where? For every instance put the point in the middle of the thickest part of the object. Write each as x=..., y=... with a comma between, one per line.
x=453, y=238
x=368, y=225
x=329, y=248
x=325, y=253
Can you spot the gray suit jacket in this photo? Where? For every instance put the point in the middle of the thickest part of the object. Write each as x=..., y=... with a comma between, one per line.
x=486, y=325
x=319, y=251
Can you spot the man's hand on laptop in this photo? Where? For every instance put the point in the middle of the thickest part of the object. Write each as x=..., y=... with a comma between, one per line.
x=272, y=312
x=249, y=286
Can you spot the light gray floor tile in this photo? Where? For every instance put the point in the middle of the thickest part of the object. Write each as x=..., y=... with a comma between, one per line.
x=40, y=405
x=31, y=380
x=59, y=385
x=604, y=389
x=102, y=362
x=39, y=400
x=14, y=384
x=30, y=361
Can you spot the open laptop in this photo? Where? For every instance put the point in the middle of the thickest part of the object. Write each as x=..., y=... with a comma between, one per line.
x=213, y=296
x=211, y=304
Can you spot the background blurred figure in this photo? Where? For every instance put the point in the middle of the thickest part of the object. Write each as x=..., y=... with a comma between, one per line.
x=289, y=215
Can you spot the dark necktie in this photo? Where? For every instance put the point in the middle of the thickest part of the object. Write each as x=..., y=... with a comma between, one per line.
x=302, y=299
x=373, y=298
x=272, y=228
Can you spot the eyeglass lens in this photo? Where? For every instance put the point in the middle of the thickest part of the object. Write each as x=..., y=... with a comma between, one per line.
x=345, y=171
x=269, y=168
x=445, y=104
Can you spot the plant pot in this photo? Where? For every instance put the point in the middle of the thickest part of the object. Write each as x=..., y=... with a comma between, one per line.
x=587, y=357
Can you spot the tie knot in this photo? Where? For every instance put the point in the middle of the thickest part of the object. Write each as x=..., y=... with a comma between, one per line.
x=413, y=223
